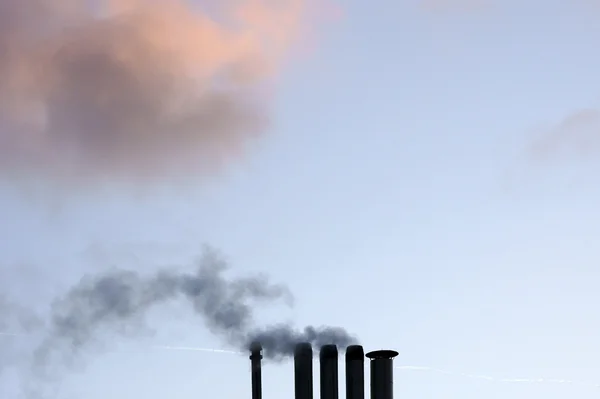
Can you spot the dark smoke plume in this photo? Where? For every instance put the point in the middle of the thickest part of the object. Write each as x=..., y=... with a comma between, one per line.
x=134, y=90
x=115, y=300
x=278, y=342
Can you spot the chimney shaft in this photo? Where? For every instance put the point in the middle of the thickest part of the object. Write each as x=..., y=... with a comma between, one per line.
x=303, y=371
x=255, y=358
x=355, y=372
x=382, y=374
x=329, y=371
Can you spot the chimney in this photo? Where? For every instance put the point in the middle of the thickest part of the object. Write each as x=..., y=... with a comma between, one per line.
x=329, y=371
x=382, y=373
x=303, y=371
x=355, y=372
x=255, y=358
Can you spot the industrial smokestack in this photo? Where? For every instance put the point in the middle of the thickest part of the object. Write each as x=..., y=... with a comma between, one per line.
x=255, y=358
x=355, y=372
x=382, y=373
x=303, y=371
x=329, y=371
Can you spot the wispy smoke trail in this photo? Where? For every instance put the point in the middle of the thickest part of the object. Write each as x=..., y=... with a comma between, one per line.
x=118, y=301
x=16, y=318
x=135, y=90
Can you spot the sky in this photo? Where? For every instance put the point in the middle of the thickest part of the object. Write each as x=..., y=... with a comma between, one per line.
x=426, y=181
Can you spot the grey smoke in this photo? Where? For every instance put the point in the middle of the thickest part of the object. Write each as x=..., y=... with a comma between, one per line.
x=278, y=342
x=118, y=301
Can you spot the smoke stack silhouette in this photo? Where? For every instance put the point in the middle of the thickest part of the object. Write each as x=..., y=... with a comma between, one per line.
x=303, y=371
x=256, y=358
x=328, y=358
x=382, y=373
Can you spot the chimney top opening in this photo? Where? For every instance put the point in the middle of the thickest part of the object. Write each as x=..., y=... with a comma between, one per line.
x=382, y=354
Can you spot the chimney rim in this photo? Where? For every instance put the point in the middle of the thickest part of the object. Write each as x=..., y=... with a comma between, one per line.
x=355, y=352
x=303, y=348
x=382, y=354
x=328, y=351
x=256, y=350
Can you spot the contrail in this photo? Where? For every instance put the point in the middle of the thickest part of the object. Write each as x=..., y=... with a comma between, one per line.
x=405, y=368
x=504, y=380
x=193, y=348
x=420, y=368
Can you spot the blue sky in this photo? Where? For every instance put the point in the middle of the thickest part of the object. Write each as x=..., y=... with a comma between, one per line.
x=394, y=194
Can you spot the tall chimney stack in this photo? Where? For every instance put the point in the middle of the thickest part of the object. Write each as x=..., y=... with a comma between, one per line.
x=255, y=358
x=303, y=371
x=382, y=373
x=355, y=372
x=328, y=358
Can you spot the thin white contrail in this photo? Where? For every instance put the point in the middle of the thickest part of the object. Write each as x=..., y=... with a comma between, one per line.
x=425, y=368
x=505, y=380
x=406, y=368
x=197, y=349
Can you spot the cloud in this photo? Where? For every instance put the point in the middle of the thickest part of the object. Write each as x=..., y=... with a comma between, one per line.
x=576, y=135
x=135, y=91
